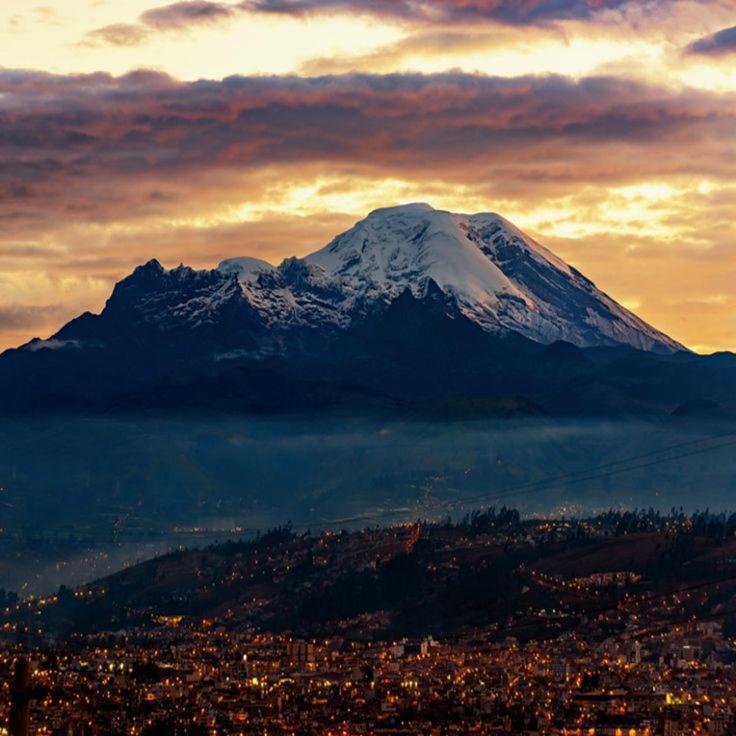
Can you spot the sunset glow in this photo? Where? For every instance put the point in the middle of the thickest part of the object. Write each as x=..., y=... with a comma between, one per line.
x=197, y=131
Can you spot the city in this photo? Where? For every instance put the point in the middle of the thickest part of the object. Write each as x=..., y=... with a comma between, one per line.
x=619, y=652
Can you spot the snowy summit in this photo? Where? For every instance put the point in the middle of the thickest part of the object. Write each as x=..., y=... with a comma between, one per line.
x=495, y=274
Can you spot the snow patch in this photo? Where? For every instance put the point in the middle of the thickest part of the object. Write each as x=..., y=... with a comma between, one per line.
x=246, y=268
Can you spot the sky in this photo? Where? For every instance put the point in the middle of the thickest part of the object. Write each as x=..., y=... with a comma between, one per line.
x=196, y=131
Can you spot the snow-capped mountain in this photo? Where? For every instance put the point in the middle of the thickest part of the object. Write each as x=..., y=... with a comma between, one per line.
x=496, y=276
x=411, y=306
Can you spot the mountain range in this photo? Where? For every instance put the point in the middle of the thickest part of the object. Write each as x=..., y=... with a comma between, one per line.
x=412, y=307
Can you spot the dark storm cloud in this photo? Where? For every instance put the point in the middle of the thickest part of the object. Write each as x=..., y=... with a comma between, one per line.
x=98, y=147
x=718, y=44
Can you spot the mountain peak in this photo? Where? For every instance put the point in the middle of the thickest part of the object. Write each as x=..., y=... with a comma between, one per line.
x=497, y=276
x=246, y=268
x=409, y=302
x=403, y=247
x=153, y=266
x=408, y=208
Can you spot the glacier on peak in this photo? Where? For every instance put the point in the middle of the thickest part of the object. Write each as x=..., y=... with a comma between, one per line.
x=497, y=276
x=247, y=268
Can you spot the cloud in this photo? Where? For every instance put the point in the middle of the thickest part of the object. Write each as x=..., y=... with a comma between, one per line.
x=184, y=14
x=180, y=16
x=20, y=317
x=718, y=44
x=117, y=34
x=513, y=12
x=507, y=11
x=432, y=44
x=82, y=140
x=167, y=18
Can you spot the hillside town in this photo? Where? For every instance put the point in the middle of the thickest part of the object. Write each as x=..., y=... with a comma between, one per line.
x=621, y=625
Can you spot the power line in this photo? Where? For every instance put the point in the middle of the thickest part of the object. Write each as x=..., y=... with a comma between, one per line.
x=566, y=479
x=605, y=470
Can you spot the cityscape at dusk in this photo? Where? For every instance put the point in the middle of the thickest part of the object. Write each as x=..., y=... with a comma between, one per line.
x=597, y=653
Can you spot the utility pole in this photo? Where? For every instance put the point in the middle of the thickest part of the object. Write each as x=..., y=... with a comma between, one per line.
x=21, y=693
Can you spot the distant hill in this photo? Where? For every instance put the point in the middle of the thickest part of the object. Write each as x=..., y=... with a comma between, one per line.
x=411, y=579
